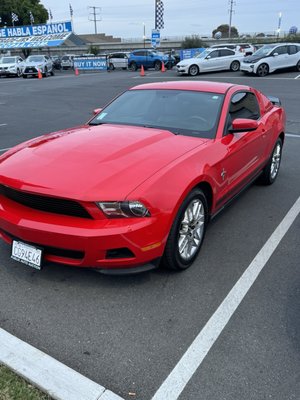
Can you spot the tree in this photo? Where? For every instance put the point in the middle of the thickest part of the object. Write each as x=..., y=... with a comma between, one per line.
x=224, y=29
x=192, y=42
x=95, y=50
x=22, y=9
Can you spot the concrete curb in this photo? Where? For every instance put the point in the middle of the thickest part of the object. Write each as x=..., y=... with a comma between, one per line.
x=48, y=374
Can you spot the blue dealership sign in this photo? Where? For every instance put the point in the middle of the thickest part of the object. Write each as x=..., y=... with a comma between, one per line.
x=36, y=30
x=90, y=63
x=190, y=53
x=155, y=38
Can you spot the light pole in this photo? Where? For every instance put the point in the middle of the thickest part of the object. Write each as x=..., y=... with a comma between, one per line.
x=144, y=34
x=279, y=24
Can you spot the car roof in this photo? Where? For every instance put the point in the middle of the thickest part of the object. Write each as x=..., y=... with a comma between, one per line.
x=201, y=86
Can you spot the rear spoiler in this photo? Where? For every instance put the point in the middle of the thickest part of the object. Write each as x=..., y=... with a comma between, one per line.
x=275, y=100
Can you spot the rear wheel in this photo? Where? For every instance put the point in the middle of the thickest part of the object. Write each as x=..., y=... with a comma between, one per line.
x=298, y=66
x=187, y=232
x=45, y=73
x=132, y=66
x=52, y=73
x=19, y=73
x=235, y=66
x=263, y=70
x=271, y=170
x=194, y=70
x=111, y=66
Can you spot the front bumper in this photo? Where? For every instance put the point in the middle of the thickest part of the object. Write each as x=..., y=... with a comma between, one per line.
x=31, y=71
x=104, y=244
x=182, y=70
x=246, y=67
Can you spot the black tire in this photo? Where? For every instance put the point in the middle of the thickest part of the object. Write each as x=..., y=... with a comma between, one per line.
x=52, y=72
x=44, y=74
x=19, y=73
x=186, y=234
x=24, y=76
x=271, y=170
x=262, y=70
x=298, y=66
x=111, y=66
x=132, y=66
x=235, y=66
x=157, y=65
x=194, y=70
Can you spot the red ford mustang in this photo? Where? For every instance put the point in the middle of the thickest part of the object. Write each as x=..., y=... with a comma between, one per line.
x=135, y=187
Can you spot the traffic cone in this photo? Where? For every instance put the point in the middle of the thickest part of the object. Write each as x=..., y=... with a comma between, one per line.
x=40, y=75
x=76, y=72
x=163, y=69
x=142, y=71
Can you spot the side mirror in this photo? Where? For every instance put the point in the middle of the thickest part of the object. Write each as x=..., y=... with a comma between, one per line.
x=275, y=54
x=97, y=111
x=243, y=125
x=208, y=57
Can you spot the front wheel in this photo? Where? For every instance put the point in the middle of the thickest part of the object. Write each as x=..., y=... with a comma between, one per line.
x=157, y=65
x=262, y=70
x=52, y=73
x=193, y=70
x=132, y=66
x=187, y=232
x=298, y=66
x=271, y=170
x=235, y=66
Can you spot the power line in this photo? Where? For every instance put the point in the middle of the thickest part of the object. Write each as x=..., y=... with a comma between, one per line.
x=94, y=15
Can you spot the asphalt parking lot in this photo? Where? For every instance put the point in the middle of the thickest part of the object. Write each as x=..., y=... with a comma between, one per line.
x=129, y=333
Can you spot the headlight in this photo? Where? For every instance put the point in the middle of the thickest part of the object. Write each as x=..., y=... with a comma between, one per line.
x=181, y=65
x=125, y=209
x=12, y=67
x=40, y=66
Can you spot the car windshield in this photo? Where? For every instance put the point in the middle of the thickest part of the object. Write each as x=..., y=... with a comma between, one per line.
x=35, y=59
x=203, y=54
x=184, y=112
x=265, y=50
x=8, y=60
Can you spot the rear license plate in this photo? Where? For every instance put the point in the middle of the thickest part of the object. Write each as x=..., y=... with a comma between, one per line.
x=27, y=254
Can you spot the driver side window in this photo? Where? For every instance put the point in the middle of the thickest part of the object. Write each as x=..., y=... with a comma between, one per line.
x=243, y=105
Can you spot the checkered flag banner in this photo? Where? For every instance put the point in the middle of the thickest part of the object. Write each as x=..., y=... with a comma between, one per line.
x=14, y=17
x=31, y=17
x=50, y=14
x=71, y=10
x=159, y=17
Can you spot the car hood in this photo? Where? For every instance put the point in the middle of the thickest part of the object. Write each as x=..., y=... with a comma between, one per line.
x=253, y=58
x=7, y=65
x=34, y=64
x=89, y=163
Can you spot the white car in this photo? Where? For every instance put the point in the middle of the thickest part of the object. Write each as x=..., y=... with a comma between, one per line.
x=245, y=48
x=118, y=60
x=11, y=66
x=67, y=61
x=34, y=64
x=211, y=60
x=272, y=57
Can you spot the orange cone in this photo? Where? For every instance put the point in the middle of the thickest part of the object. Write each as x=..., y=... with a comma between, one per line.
x=40, y=76
x=76, y=72
x=142, y=71
x=163, y=69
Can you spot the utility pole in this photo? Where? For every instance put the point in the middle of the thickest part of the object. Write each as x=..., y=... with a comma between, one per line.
x=231, y=11
x=94, y=16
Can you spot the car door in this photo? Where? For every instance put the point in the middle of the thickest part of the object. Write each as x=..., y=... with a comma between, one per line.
x=210, y=63
x=279, y=57
x=293, y=55
x=226, y=57
x=244, y=150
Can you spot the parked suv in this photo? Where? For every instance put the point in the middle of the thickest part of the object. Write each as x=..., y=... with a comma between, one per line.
x=271, y=57
x=149, y=59
x=35, y=63
x=11, y=66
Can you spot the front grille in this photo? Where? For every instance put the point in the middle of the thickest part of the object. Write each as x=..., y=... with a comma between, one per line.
x=52, y=251
x=43, y=203
x=30, y=69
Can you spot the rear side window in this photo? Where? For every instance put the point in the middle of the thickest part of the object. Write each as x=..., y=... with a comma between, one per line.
x=224, y=53
x=293, y=49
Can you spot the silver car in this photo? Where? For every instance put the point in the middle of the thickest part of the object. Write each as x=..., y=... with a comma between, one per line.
x=36, y=63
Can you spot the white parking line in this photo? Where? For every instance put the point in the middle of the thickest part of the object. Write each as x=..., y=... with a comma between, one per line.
x=297, y=77
x=292, y=135
x=3, y=124
x=175, y=383
x=51, y=376
x=1, y=150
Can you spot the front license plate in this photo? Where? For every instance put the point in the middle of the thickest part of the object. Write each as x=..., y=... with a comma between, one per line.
x=27, y=254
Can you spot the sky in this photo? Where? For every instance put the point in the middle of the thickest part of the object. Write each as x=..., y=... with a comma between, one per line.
x=129, y=18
